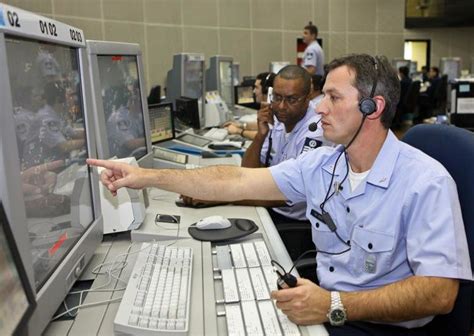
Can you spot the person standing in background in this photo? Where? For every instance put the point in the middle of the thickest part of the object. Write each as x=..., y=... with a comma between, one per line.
x=313, y=58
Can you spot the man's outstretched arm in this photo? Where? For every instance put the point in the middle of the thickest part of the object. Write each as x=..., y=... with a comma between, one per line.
x=216, y=183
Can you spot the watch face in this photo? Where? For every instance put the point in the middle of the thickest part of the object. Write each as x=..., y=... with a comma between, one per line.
x=338, y=315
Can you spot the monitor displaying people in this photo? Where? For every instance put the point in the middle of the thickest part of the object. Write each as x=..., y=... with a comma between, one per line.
x=122, y=105
x=51, y=140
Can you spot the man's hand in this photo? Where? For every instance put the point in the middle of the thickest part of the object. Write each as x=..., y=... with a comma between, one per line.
x=304, y=304
x=233, y=129
x=264, y=118
x=117, y=175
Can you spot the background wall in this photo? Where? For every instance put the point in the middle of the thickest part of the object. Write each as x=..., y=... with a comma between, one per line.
x=254, y=32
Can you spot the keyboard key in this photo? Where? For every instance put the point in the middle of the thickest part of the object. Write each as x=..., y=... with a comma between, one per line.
x=235, y=323
x=251, y=318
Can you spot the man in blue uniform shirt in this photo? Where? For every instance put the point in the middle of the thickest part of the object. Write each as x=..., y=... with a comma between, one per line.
x=386, y=217
x=283, y=129
x=313, y=57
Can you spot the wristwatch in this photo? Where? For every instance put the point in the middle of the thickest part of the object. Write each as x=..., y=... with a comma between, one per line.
x=337, y=314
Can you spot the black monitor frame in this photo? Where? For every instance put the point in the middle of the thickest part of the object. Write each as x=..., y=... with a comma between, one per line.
x=160, y=105
x=30, y=296
x=194, y=120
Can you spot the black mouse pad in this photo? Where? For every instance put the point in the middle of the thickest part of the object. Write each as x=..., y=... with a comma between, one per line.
x=239, y=228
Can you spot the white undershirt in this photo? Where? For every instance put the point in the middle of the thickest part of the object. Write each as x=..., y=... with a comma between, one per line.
x=356, y=178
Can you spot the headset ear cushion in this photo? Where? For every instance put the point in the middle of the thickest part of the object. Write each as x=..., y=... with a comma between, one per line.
x=367, y=106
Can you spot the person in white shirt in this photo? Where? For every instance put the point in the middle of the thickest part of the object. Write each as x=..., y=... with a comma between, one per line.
x=313, y=58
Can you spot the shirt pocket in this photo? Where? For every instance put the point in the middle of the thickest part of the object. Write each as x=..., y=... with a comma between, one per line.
x=371, y=251
x=325, y=240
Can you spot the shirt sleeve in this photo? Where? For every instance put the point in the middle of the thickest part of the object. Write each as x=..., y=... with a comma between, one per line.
x=310, y=57
x=289, y=179
x=436, y=239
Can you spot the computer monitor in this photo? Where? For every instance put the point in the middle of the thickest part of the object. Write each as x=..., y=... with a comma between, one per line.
x=244, y=95
x=187, y=112
x=186, y=79
x=120, y=104
x=450, y=66
x=17, y=300
x=161, y=122
x=48, y=191
x=219, y=77
x=236, y=73
x=275, y=67
x=399, y=62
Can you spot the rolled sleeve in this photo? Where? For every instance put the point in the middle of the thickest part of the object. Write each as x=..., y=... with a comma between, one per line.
x=436, y=241
x=289, y=179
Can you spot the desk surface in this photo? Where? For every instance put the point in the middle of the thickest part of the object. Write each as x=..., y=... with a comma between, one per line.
x=203, y=311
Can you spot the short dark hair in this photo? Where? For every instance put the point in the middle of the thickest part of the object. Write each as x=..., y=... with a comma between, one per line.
x=404, y=70
x=261, y=76
x=388, y=85
x=313, y=30
x=435, y=69
x=296, y=72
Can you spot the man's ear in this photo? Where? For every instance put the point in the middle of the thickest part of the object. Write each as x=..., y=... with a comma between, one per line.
x=380, y=102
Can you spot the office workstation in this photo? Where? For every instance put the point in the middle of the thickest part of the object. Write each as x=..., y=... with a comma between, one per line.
x=95, y=260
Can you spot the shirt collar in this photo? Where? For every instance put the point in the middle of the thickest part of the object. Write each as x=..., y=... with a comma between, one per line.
x=383, y=167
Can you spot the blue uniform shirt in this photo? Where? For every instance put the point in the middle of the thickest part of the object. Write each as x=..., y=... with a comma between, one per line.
x=287, y=146
x=404, y=220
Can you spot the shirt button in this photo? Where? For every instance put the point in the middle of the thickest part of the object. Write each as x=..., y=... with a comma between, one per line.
x=370, y=246
x=317, y=224
x=331, y=269
x=348, y=209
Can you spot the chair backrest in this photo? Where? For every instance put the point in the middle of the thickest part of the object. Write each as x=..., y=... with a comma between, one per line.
x=453, y=147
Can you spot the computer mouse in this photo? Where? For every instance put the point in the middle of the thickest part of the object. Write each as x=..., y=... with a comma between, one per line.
x=213, y=223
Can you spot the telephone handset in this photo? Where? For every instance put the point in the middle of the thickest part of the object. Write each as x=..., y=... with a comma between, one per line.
x=269, y=102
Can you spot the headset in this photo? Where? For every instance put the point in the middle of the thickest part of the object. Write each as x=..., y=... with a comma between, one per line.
x=368, y=105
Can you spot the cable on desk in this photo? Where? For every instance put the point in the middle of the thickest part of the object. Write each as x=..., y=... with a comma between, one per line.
x=110, y=276
x=165, y=228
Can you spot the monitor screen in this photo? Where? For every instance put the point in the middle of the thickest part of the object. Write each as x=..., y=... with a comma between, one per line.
x=193, y=78
x=16, y=295
x=245, y=95
x=194, y=140
x=121, y=98
x=187, y=112
x=51, y=140
x=226, y=86
x=161, y=122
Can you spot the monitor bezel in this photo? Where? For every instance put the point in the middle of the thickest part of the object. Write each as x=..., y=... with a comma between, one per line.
x=53, y=292
x=159, y=105
x=29, y=292
x=108, y=48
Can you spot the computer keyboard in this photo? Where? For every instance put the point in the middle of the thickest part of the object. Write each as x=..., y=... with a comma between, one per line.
x=216, y=133
x=158, y=293
x=247, y=280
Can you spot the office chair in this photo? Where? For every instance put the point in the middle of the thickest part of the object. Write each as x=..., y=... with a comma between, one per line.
x=453, y=147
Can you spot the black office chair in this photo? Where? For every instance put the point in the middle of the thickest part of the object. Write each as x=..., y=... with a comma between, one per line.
x=453, y=147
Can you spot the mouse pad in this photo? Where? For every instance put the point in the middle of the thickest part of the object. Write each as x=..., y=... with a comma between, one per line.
x=239, y=228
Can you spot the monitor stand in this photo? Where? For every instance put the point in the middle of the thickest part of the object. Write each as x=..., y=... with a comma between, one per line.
x=123, y=212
